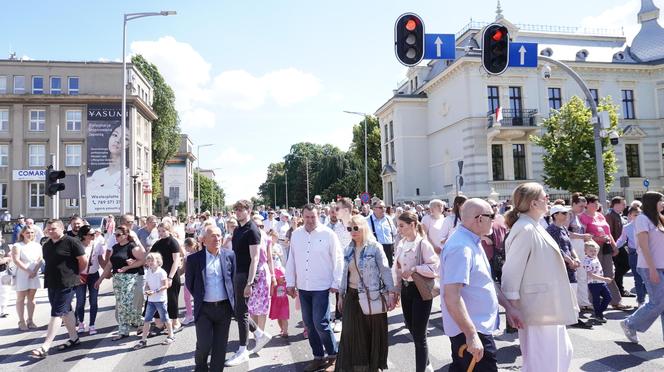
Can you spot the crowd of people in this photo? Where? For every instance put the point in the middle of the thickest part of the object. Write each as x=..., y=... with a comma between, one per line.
x=549, y=263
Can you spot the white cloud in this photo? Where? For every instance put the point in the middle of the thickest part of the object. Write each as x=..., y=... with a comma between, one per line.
x=239, y=89
x=621, y=16
x=291, y=86
x=231, y=157
x=198, y=118
x=240, y=185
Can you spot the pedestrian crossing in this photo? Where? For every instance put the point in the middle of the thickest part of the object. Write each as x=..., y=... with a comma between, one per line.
x=601, y=349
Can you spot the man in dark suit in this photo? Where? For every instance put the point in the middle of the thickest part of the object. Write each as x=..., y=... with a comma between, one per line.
x=209, y=279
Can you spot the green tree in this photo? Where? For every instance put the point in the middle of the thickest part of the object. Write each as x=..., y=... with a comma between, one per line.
x=212, y=195
x=569, y=160
x=165, y=130
x=373, y=154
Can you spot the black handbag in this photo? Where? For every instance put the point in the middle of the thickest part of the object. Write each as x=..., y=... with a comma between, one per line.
x=607, y=248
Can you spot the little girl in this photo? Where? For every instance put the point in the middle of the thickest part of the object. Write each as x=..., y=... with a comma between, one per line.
x=190, y=246
x=156, y=283
x=597, y=282
x=279, y=304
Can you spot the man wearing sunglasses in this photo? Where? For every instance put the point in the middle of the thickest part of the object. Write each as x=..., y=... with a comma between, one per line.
x=383, y=229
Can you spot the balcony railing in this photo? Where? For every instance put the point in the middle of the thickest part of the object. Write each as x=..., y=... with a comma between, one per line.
x=514, y=118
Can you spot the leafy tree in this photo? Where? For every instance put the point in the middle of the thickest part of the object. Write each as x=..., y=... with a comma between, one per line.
x=373, y=154
x=568, y=138
x=212, y=195
x=165, y=130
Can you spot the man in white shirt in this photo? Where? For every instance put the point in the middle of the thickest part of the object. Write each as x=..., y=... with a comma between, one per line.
x=314, y=269
x=339, y=219
x=270, y=223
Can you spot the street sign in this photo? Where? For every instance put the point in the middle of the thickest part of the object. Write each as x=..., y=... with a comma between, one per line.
x=28, y=174
x=646, y=183
x=439, y=46
x=523, y=55
x=365, y=198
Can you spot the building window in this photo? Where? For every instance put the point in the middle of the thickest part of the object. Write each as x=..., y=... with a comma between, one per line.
x=387, y=154
x=56, y=85
x=519, y=155
x=74, y=120
x=595, y=94
x=4, y=120
x=4, y=155
x=37, y=195
x=387, y=138
x=632, y=160
x=71, y=203
x=416, y=83
x=628, y=103
x=515, y=100
x=555, y=100
x=19, y=84
x=37, y=85
x=4, y=199
x=493, y=98
x=37, y=155
x=3, y=85
x=391, y=130
x=72, y=86
x=37, y=120
x=497, y=162
x=72, y=155
x=392, y=152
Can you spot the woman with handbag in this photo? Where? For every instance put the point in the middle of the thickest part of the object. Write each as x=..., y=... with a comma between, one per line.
x=88, y=278
x=27, y=256
x=414, y=271
x=367, y=293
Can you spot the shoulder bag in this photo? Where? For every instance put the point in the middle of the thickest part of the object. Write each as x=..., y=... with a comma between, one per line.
x=428, y=287
x=371, y=302
x=84, y=276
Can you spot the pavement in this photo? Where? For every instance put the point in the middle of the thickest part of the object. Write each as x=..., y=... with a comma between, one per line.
x=602, y=349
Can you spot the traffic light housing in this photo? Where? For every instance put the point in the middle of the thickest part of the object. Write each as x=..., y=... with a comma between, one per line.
x=409, y=39
x=495, y=48
x=52, y=185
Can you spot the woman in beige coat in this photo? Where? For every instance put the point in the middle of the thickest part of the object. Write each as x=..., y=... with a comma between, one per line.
x=535, y=281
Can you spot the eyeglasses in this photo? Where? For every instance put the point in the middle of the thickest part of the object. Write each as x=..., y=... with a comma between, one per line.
x=489, y=215
x=379, y=206
x=118, y=234
x=354, y=228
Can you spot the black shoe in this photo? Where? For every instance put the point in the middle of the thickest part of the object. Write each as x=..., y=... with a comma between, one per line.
x=582, y=325
x=599, y=320
x=510, y=329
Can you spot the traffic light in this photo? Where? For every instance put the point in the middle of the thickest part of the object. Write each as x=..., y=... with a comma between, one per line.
x=52, y=184
x=409, y=39
x=495, y=48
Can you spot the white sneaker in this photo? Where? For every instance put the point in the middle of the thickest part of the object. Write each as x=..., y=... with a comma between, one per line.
x=93, y=330
x=337, y=327
x=186, y=320
x=261, y=342
x=629, y=333
x=237, y=359
x=81, y=327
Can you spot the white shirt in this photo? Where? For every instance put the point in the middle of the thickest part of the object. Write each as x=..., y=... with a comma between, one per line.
x=315, y=260
x=269, y=225
x=281, y=229
x=448, y=226
x=97, y=250
x=434, y=229
x=154, y=280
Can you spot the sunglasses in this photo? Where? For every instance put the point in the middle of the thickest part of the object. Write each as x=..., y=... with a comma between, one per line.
x=489, y=215
x=119, y=234
x=354, y=228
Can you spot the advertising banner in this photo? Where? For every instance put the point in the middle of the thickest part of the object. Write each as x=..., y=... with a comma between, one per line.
x=105, y=159
x=29, y=174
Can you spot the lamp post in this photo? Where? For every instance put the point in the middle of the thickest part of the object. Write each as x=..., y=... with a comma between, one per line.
x=366, y=166
x=134, y=177
x=286, y=184
x=123, y=175
x=275, y=194
x=198, y=160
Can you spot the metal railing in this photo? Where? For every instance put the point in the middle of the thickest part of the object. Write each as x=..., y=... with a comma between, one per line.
x=514, y=118
x=548, y=28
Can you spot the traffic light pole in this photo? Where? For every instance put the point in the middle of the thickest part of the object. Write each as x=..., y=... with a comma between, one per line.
x=54, y=198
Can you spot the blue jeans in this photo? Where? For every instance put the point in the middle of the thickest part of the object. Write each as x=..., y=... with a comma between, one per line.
x=601, y=297
x=80, y=299
x=638, y=281
x=646, y=315
x=155, y=307
x=315, y=306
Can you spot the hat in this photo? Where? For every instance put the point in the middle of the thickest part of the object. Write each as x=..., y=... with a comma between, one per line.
x=21, y=216
x=285, y=214
x=558, y=209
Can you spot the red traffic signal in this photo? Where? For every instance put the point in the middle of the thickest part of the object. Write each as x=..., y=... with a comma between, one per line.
x=52, y=185
x=495, y=48
x=409, y=39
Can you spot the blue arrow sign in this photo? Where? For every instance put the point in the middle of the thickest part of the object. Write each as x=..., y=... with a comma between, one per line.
x=365, y=197
x=439, y=46
x=523, y=55
x=646, y=183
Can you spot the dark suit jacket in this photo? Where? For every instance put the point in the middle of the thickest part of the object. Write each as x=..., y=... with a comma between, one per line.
x=195, y=276
x=615, y=224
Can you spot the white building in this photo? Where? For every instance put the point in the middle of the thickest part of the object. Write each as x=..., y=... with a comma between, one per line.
x=443, y=112
x=179, y=176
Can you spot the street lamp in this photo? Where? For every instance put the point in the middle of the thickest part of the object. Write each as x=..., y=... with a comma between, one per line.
x=198, y=159
x=275, y=194
x=366, y=167
x=135, y=193
x=123, y=175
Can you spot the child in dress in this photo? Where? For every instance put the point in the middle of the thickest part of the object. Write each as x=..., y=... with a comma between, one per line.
x=279, y=304
x=156, y=283
x=190, y=246
x=597, y=282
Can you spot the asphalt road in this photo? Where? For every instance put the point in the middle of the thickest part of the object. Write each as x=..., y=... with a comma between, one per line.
x=601, y=349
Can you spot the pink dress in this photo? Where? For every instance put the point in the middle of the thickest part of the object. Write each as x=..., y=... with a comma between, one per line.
x=279, y=306
x=259, y=302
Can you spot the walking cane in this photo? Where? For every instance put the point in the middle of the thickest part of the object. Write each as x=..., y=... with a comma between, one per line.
x=472, y=362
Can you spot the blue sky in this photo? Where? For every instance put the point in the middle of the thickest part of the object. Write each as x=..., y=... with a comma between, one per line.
x=254, y=77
